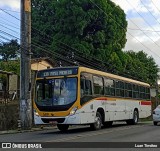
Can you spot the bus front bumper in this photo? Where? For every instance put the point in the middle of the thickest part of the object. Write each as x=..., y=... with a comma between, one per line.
x=71, y=119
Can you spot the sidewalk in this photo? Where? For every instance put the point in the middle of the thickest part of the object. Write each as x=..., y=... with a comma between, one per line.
x=31, y=130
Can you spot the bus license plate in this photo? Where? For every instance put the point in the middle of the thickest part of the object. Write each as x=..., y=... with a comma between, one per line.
x=53, y=122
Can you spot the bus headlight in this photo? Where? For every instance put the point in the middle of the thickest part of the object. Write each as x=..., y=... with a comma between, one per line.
x=73, y=111
x=36, y=113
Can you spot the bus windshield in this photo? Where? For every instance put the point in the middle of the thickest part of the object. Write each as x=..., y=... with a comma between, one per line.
x=56, y=92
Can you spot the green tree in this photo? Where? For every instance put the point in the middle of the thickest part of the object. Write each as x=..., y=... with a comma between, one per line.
x=142, y=67
x=10, y=66
x=8, y=50
x=96, y=28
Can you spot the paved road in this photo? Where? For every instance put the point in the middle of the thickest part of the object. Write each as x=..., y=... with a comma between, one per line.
x=119, y=132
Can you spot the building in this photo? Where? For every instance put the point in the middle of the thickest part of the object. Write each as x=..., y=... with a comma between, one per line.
x=41, y=63
x=13, y=80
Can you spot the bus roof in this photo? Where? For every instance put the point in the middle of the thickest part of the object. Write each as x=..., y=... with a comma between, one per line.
x=112, y=76
x=93, y=71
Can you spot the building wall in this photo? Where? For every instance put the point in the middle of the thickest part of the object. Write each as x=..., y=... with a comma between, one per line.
x=40, y=65
x=13, y=82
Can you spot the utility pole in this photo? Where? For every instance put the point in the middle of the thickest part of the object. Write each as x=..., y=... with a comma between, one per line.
x=25, y=69
x=157, y=102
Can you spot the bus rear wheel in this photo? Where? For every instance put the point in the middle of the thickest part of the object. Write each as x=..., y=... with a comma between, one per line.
x=63, y=127
x=98, y=122
x=135, y=119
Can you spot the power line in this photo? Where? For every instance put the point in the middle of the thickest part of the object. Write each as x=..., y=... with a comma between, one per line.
x=146, y=34
x=88, y=64
x=83, y=61
x=150, y=12
x=146, y=22
x=61, y=43
x=9, y=28
x=78, y=54
x=142, y=17
x=105, y=14
x=11, y=10
x=66, y=52
x=70, y=49
x=5, y=33
x=37, y=45
x=6, y=24
x=9, y=35
x=5, y=21
x=155, y=6
x=137, y=40
x=5, y=38
x=9, y=14
x=144, y=30
x=124, y=28
x=2, y=40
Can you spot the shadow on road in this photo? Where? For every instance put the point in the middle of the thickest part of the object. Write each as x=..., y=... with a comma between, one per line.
x=82, y=129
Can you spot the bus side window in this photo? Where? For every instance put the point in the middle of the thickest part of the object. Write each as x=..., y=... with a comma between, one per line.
x=128, y=90
x=86, y=88
x=109, y=87
x=147, y=93
x=98, y=85
x=142, y=92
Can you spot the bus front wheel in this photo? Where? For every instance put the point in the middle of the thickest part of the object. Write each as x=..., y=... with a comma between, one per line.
x=63, y=127
x=98, y=122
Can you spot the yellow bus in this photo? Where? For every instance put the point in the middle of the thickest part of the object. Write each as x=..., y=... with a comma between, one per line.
x=83, y=96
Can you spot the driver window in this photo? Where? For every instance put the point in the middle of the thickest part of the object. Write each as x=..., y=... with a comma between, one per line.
x=85, y=84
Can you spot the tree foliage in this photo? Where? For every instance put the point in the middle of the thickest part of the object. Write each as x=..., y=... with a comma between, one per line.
x=97, y=28
x=10, y=66
x=93, y=27
x=9, y=62
x=142, y=67
x=8, y=50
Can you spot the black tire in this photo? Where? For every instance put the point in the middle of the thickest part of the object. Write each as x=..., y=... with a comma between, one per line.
x=135, y=119
x=155, y=123
x=98, y=123
x=63, y=127
x=108, y=124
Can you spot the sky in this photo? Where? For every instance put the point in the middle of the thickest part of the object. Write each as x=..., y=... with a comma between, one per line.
x=143, y=31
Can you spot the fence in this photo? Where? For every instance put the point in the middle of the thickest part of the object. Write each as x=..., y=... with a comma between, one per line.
x=9, y=110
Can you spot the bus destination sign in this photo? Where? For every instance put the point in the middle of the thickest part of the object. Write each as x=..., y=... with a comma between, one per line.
x=57, y=72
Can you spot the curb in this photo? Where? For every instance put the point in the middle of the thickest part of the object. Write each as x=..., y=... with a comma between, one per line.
x=24, y=131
